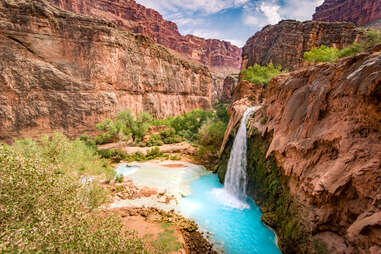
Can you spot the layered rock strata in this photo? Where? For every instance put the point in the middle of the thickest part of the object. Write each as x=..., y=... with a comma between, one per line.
x=323, y=128
x=285, y=43
x=359, y=12
x=128, y=15
x=62, y=71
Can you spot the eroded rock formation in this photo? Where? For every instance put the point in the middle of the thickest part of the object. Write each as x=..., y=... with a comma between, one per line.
x=62, y=71
x=323, y=124
x=285, y=43
x=128, y=15
x=359, y=12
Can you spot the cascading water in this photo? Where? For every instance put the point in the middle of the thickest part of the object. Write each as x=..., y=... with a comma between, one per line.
x=236, y=179
x=234, y=192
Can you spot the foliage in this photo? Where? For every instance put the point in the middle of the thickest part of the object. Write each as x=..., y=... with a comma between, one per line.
x=321, y=54
x=330, y=54
x=261, y=74
x=93, y=195
x=72, y=157
x=373, y=37
x=169, y=136
x=115, y=155
x=154, y=140
x=352, y=50
x=41, y=210
x=187, y=126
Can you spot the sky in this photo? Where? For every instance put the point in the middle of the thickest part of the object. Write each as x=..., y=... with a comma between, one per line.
x=230, y=20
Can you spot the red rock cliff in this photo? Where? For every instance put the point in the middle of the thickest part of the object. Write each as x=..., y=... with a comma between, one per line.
x=62, y=71
x=325, y=125
x=359, y=12
x=127, y=14
x=285, y=43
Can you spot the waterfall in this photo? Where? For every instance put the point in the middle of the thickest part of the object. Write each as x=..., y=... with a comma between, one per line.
x=236, y=177
x=234, y=192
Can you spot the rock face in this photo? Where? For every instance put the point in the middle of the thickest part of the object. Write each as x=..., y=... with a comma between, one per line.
x=359, y=12
x=324, y=124
x=61, y=71
x=285, y=43
x=128, y=15
x=223, y=87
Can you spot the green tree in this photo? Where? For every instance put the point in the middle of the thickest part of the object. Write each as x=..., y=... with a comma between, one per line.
x=321, y=55
x=261, y=74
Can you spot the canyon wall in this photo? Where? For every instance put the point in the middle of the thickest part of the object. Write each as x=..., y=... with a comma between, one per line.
x=61, y=71
x=285, y=43
x=314, y=155
x=359, y=12
x=219, y=55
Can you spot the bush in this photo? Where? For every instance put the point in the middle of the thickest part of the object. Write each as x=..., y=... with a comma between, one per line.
x=154, y=140
x=104, y=138
x=114, y=155
x=322, y=54
x=212, y=134
x=153, y=153
x=169, y=136
x=73, y=157
x=373, y=37
x=41, y=211
x=94, y=195
x=352, y=50
x=261, y=74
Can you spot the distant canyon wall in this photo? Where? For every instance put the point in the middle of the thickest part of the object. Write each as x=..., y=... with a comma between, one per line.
x=359, y=12
x=220, y=56
x=285, y=43
x=61, y=71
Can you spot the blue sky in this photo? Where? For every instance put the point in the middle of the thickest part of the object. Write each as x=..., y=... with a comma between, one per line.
x=230, y=20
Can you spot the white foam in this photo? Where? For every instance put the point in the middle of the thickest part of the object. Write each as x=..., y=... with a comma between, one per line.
x=229, y=200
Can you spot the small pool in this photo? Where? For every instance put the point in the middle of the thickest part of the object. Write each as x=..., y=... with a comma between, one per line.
x=237, y=230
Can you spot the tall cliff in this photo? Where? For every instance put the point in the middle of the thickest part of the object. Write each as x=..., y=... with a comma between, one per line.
x=359, y=12
x=285, y=43
x=314, y=155
x=128, y=15
x=62, y=71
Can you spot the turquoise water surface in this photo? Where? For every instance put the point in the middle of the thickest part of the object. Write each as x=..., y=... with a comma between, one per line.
x=238, y=231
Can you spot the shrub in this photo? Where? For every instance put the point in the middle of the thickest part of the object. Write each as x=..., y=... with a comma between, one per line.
x=212, y=134
x=169, y=136
x=73, y=157
x=41, y=211
x=114, y=155
x=153, y=153
x=373, y=37
x=155, y=140
x=93, y=195
x=104, y=138
x=352, y=50
x=261, y=74
x=321, y=54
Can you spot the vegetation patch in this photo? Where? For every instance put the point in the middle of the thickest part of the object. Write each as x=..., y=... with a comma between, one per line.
x=261, y=74
x=329, y=54
x=46, y=209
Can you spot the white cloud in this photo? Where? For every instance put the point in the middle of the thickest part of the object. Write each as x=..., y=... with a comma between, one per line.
x=266, y=12
x=271, y=12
